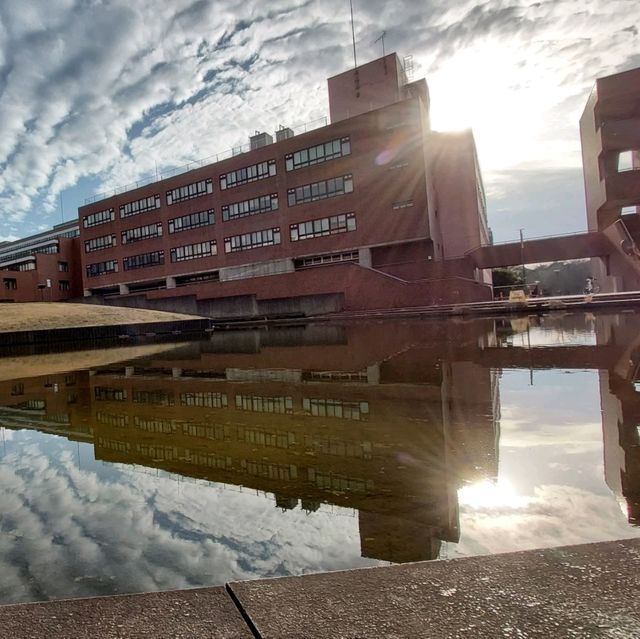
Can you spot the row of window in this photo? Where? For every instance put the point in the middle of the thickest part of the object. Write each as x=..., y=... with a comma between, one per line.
x=194, y=251
x=263, y=204
x=254, y=206
x=282, y=405
x=323, y=226
x=99, y=243
x=320, y=190
x=189, y=191
x=335, y=224
x=142, y=233
x=308, y=156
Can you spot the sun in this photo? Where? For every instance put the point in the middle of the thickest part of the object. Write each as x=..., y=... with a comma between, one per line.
x=493, y=88
x=491, y=494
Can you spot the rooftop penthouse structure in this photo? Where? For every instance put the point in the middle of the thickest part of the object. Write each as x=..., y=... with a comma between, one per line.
x=369, y=211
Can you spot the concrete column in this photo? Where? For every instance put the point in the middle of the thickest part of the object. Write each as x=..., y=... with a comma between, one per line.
x=364, y=257
x=124, y=289
x=176, y=372
x=171, y=282
x=86, y=292
x=129, y=371
x=373, y=374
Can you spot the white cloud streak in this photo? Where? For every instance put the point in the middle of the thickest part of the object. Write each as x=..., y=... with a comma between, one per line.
x=104, y=91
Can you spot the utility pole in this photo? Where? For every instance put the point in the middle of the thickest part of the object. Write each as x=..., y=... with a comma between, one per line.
x=524, y=271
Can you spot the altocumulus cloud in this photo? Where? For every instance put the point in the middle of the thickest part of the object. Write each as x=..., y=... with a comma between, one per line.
x=69, y=531
x=95, y=94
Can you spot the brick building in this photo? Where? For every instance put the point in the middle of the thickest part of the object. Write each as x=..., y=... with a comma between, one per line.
x=360, y=213
x=609, y=131
x=42, y=267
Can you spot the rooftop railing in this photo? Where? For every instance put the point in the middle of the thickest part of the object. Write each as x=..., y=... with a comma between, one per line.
x=197, y=164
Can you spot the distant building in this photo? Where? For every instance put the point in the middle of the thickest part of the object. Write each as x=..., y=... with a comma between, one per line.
x=370, y=211
x=42, y=267
x=610, y=134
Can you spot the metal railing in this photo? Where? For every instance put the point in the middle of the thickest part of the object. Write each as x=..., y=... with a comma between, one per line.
x=197, y=164
x=517, y=241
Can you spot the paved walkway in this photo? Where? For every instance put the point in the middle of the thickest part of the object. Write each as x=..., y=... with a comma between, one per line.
x=578, y=591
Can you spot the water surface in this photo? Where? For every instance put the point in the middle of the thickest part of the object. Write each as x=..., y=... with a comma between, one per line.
x=288, y=451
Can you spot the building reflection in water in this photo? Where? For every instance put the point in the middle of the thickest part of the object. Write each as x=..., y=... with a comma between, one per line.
x=388, y=419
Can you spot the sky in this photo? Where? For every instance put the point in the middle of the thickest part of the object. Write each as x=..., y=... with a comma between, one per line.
x=95, y=94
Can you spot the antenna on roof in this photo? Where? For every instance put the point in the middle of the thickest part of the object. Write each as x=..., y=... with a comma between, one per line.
x=408, y=67
x=384, y=33
x=355, y=59
x=353, y=36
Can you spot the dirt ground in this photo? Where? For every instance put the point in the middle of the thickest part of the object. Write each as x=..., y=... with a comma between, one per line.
x=42, y=316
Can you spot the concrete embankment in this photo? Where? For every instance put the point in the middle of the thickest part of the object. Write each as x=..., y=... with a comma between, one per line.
x=575, y=591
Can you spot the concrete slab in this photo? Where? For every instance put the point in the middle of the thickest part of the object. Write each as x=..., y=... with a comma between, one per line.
x=189, y=614
x=578, y=591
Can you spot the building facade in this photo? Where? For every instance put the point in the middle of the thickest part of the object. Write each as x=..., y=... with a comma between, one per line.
x=360, y=213
x=43, y=267
x=610, y=135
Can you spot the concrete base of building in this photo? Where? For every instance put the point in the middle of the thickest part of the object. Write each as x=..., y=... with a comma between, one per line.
x=575, y=591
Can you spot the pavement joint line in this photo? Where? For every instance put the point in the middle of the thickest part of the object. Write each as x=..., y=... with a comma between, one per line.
x=243, y=613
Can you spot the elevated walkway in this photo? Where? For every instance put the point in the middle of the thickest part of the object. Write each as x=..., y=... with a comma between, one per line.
x=545, y=249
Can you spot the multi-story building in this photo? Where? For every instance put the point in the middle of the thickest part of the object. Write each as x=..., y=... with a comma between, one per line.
x=42, y=267
x=610, y=134
x=360, y=213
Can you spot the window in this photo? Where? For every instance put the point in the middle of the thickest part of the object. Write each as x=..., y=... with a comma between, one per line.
x=142, y=233
x=10, y=283
x=204, y=399
x=258, y=404
x=144, y=260
x=101, y=217
x=399, y=165
x=255, y=206
x=157, y=398
x=105, y=394
x=112, y=419
x=151, y=425
x=336, y=408
x=405, y=204
x=140, y=206
x=99, y=243
x=247, y=174
x=267, y=237
x=63, y=267
x=330, y=258
x=272, y=471
x=23, y=266
x=189, y=191
x=102, y=268
x=318, y=154
x=277, y=439
x=324, y=226
x=320, y=190
x=64, y=285
x=194, y=251
x=191, y=221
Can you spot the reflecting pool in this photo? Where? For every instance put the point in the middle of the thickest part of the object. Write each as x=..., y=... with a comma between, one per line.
x=286, y=451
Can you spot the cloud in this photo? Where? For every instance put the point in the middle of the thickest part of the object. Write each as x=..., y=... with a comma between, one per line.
x=100, y=94
x=72, y=529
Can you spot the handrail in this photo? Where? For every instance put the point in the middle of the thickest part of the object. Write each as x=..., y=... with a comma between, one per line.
x=524, y=240
x=299, y=129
